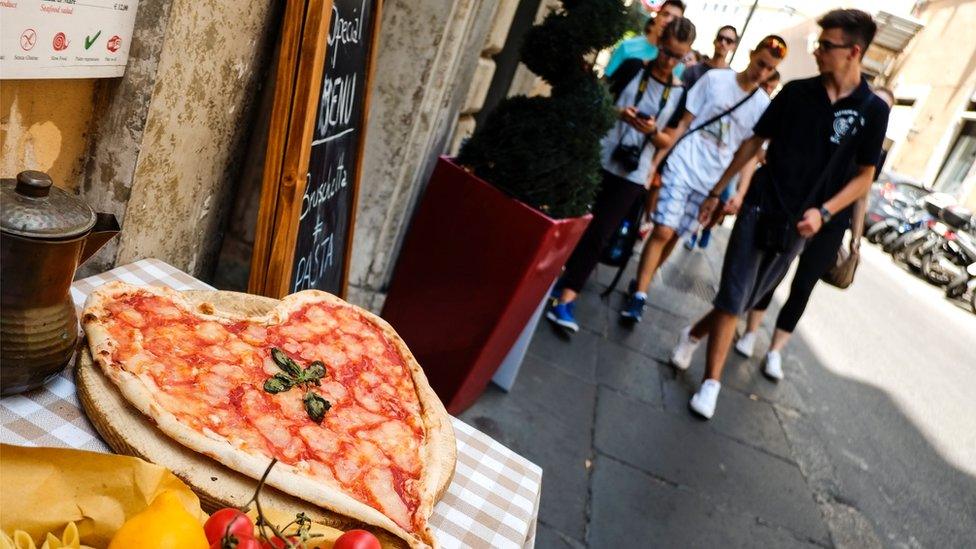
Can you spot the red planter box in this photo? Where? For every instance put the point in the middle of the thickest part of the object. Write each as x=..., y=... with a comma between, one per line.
x=473, y=268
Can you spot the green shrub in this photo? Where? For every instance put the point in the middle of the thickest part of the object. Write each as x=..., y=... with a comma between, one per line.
x=545, y=151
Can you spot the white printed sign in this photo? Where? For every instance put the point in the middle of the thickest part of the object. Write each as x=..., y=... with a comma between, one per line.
x=65, y=38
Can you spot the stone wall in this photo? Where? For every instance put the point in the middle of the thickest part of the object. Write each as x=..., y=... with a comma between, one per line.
x=170, y=138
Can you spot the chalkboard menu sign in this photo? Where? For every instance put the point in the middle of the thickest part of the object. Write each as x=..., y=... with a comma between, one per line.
x=329, y=202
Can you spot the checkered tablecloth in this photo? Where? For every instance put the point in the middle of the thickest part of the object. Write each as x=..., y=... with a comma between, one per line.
x=492, y=502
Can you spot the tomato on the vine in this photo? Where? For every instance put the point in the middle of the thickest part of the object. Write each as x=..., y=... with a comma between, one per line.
x=228, y=521
x=278, y=543
x=243, y=542
x=357, y=539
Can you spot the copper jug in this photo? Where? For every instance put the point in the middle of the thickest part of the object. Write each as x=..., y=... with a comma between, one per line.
x=45, y=234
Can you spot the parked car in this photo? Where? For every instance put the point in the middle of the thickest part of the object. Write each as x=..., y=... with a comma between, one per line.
x=890, y=196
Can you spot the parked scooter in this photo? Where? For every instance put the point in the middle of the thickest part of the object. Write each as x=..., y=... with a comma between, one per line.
x=908, y=231
x=898, y=212
x=965, y=281
x=910, y=247
x=948, y=261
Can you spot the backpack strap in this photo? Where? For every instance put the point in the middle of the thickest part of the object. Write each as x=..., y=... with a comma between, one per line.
x=623, y=75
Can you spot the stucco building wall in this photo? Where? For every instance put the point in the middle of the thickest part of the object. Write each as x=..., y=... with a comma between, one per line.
x=44, y=125
x=939, y=74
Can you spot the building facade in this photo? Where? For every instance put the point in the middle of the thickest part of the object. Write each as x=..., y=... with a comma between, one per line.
x=933, y=124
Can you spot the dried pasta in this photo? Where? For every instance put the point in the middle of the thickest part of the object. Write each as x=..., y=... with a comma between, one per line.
x=21, y=540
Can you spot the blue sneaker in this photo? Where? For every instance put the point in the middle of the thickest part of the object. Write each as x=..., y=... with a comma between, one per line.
x=634, y=310
x=561, y=314
x=690, y=243
x=705, y=238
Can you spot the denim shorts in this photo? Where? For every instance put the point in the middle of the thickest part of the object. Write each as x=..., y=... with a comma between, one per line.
x=749, y=272
x=677, y=207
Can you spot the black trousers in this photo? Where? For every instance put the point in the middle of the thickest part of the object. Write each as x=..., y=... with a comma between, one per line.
x=613, y=203
x=818, y=256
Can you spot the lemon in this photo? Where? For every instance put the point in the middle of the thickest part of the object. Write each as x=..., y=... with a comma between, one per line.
x=165, y=524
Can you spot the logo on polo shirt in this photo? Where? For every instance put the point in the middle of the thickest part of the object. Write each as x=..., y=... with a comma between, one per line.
x=844, y=123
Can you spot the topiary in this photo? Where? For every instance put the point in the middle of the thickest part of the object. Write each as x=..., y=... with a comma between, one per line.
x=545, y=151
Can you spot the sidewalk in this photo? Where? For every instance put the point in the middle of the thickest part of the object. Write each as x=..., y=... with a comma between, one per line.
x=625, y=463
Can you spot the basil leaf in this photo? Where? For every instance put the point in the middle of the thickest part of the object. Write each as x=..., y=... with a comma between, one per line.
x=285, y=363
x=314, y=372
x=278, y=383
x=316, y=406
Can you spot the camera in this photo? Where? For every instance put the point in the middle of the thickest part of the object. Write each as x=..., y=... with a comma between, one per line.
x=628, y=156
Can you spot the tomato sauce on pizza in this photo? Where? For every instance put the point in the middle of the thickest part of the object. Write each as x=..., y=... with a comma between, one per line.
x=210, y=374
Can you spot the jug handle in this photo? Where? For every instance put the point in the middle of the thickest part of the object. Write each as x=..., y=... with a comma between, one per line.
x=106, y=226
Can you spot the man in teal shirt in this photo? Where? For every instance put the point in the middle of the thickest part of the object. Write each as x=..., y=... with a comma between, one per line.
x=645, y=47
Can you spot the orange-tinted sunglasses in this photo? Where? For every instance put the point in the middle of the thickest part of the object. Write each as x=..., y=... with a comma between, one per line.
x=775, y=46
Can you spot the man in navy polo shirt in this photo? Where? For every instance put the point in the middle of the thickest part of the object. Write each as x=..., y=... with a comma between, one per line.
x=825, y=137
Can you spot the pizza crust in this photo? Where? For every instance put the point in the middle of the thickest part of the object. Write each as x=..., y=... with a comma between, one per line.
x=439, y=449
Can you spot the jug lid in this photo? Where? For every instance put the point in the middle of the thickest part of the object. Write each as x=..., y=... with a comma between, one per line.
x=32, y=206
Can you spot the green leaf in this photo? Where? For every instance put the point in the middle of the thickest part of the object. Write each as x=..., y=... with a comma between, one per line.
x=278, y=383
x=316, y=406
x=314, y=372
x=285, y=362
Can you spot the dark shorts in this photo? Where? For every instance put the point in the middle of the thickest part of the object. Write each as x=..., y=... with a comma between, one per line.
x=749, y=272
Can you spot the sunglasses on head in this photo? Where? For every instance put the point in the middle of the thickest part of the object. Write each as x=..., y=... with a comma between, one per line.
x=727, y=39
x=775, y=46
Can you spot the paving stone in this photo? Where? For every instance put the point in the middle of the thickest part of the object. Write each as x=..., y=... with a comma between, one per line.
x=744, y=375
x=653, y=337
x=549, y=538
x=548, y=418
x=629, y=372
x=748, y=420
x=604, y=274
x=631, y=509
x=717, y=467
x=575, y=354
x=591, y=309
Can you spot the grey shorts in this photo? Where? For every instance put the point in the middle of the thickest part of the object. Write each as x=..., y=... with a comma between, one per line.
x=748, y=271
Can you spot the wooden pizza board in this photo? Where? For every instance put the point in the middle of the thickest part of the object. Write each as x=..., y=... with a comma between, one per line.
x=127, y=431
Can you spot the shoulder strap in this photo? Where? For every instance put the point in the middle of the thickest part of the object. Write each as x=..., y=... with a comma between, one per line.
x=727, y=111
x=844, y=144
x=623, y=75
x=662, y=102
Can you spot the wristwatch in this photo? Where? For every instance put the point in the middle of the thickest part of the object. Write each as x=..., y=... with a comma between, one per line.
x=825, y=214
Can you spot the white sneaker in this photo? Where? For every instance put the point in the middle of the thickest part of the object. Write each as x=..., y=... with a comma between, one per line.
x=703, y=403
x=684, y=350
x=746, y=344
x=774, y=366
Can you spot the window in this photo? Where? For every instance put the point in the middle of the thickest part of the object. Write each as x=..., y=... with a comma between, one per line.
x=959, y=162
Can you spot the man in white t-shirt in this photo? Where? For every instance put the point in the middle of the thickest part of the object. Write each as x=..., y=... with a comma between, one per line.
x=721, y=109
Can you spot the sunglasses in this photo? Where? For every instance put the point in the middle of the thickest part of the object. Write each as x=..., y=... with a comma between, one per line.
x=775, y=46
x=827, y=45
x=727, y=39
x=668, y=53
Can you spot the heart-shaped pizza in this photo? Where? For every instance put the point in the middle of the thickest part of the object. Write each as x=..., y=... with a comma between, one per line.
x=325, y=387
